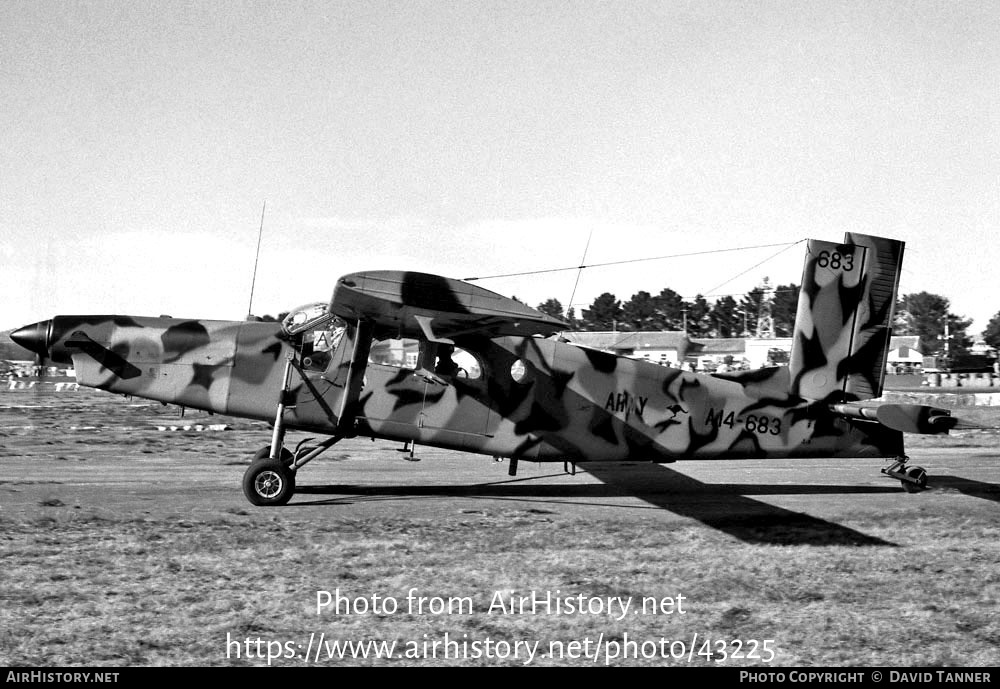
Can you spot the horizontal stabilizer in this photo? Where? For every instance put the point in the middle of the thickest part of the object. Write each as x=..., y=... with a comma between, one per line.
x=906, y=418
x=916, y=418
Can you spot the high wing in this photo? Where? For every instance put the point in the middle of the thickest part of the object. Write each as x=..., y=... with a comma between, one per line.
x=420, y=305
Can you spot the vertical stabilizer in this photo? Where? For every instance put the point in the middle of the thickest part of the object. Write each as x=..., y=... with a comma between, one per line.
x=844, y=320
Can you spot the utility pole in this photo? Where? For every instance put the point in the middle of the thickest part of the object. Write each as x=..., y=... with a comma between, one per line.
x=947, y=342
x=765, y=323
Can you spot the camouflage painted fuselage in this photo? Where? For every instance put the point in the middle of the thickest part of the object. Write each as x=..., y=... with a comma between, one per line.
x=527, y=397
x=576, y=404
x=228, y=367
x=567, y=404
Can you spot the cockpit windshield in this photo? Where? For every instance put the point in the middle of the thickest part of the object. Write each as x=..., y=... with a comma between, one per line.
x=320, y=334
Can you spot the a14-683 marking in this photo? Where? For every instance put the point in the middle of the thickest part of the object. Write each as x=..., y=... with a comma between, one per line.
x=762, y=424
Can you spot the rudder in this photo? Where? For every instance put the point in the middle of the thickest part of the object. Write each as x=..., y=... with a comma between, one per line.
x=843, y=323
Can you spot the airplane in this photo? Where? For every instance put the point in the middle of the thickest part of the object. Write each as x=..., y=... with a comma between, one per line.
x=435, y=361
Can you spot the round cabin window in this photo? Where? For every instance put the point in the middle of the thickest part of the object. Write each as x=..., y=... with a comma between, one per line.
x=519, y=371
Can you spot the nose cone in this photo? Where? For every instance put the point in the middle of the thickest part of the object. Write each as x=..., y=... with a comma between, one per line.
x=34, y=337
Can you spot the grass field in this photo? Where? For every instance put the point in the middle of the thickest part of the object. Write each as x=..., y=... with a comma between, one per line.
x=191, y=577
x=85, y=590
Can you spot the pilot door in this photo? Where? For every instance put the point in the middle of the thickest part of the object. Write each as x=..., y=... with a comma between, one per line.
x=425, y=391
x=316, y=392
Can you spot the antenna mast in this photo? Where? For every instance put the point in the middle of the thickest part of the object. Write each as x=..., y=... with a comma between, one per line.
x=579, y=271
x=253, y=280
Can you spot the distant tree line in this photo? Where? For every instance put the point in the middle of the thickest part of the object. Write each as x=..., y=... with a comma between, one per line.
x=992, y=332
x=922, y=314
x=668, y=310
x=268, y=318
x=926, y=315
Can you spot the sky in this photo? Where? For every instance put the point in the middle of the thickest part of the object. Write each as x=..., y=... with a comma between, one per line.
x=145, y=144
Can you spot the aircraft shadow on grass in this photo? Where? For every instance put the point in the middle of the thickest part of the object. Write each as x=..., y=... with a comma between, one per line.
x=723, y=506
x=975, y=489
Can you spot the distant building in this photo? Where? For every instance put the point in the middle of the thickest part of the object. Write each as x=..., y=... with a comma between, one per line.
x=671, y=348
x=668, y=348
x=768, y=351
x=982, y=349
x=904, y=354
x=721, y=353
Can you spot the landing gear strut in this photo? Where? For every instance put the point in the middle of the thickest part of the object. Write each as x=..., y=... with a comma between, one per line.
x=914, y=479
x=270, y=480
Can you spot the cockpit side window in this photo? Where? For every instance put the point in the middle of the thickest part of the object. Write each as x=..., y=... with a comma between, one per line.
x=443, y=360
x=456, y=362
x=399, y=353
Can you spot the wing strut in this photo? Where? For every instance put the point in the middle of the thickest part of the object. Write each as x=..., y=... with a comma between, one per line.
x=355, y=377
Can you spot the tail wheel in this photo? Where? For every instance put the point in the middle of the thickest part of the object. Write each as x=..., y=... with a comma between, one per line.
x=268, y=483
x=917, y=482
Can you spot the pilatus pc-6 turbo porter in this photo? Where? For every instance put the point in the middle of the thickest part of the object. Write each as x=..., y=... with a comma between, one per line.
x=485, y=374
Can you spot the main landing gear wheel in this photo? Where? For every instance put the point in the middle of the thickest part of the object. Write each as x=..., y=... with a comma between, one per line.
x=268, y=482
